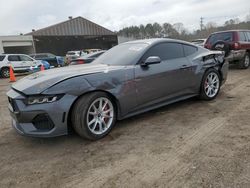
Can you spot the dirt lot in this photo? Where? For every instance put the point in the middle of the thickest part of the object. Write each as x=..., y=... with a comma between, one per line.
x=189, y=144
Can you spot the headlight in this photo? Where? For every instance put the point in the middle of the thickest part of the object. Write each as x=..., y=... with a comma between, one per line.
x=40, y=99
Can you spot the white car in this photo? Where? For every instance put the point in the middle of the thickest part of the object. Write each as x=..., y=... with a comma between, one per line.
x=19, y=62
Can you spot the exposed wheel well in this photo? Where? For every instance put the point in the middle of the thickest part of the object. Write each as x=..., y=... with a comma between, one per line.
x=113, y=98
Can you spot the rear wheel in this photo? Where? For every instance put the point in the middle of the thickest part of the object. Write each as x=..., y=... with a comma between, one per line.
x=245, y=62
x=93, y=115
x=210, y=85
x=5, y=72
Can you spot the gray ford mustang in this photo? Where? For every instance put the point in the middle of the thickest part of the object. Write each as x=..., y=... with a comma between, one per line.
x=129, y=79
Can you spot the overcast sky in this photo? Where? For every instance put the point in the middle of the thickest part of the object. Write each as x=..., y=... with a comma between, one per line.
x=20, y=16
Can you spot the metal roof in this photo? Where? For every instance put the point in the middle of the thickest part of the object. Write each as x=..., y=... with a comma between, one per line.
x=76, y=26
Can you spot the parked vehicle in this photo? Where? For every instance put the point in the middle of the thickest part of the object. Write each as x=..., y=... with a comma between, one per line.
x=89, y=51
x=129, y=79
x=70, y=55
x=87, y=58
x=235, y=43
x=44, y=63
x=53, y=60
x=20, y=62
x=199, y=42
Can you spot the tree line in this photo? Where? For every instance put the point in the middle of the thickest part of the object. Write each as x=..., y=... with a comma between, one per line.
x=178, y=30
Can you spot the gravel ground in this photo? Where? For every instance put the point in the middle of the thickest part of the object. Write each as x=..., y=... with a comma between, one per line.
x=192, y=143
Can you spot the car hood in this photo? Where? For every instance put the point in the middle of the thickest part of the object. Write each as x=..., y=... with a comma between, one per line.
x=38, y=82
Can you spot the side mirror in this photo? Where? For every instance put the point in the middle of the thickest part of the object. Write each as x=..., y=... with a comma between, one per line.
x=151, y=60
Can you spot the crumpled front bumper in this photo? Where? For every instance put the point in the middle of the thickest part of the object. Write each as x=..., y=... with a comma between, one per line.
x=39, y=120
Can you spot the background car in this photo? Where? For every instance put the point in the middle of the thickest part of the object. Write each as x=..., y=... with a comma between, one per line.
x=199, y=42
x=128, y=79
x=73, y=54
x=89, y=51
x=20, y=63
x=235, y=43
x=53, y=60
x=44, y=63
x=87, y=58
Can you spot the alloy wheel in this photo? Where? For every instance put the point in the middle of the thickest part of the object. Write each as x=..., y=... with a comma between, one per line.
x=6, y=73
x=212, y=84
x=100, y=115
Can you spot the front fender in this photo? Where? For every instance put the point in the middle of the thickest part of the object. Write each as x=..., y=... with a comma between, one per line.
x=73, y=86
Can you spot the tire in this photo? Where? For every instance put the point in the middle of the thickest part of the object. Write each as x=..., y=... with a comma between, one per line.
x=5, y=72
x=222, y=46
x=89, y=120
x=245, y=62
x=210, y=81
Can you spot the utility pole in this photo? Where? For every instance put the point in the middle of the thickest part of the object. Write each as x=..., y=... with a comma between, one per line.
x=201, y=23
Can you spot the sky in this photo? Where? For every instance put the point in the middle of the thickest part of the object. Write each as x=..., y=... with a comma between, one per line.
x=21, y=16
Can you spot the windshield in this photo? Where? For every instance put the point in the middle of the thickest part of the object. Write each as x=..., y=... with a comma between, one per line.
x=123, y=54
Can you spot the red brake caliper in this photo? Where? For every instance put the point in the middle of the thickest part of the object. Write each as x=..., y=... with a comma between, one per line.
x=106, y=108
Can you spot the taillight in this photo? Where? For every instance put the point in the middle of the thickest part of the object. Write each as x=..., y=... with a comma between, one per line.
x=81, y=62
x=208, y=46
x=236, y=46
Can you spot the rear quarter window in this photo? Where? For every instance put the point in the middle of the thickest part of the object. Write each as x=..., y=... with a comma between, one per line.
x=2, y=57
x=242, y=36
x=189, y=50
x=248, y=36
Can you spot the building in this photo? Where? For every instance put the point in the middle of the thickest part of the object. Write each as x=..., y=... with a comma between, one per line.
x=17, y=44
x=74, y=34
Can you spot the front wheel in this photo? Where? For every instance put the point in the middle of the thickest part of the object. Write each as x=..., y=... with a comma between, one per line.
x=210, y=85
x=93, y=115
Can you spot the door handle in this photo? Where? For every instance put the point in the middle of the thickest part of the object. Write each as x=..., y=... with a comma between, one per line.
x=184, y=67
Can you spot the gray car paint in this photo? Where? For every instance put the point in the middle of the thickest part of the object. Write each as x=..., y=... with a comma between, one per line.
x=134, y=88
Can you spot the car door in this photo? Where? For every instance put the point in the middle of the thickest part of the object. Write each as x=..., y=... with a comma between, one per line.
x=52, y=60
x=243, y=40
x=165, y=80
x=247, y=33
x=27, y=61
x=15, y=62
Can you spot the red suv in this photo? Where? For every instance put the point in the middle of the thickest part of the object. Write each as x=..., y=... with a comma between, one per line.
x=235, y=43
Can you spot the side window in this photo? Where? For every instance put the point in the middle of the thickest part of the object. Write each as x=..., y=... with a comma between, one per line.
x=165, y=51
x=242, y=36
x=248, y=36
x=13, y=58
x=50, y=55
x=189, y=50
x=2, y=57
x=25, y=58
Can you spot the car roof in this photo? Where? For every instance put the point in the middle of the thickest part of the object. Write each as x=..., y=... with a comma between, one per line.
x=15, y=54
x=233, y=30
x=41, y=54
x=158, y=40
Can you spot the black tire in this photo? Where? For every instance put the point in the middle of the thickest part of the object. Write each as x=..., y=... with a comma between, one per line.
x=204, y=84
x=222, y=46
x=80, y=113
x=244, y=63
x=5, y=72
